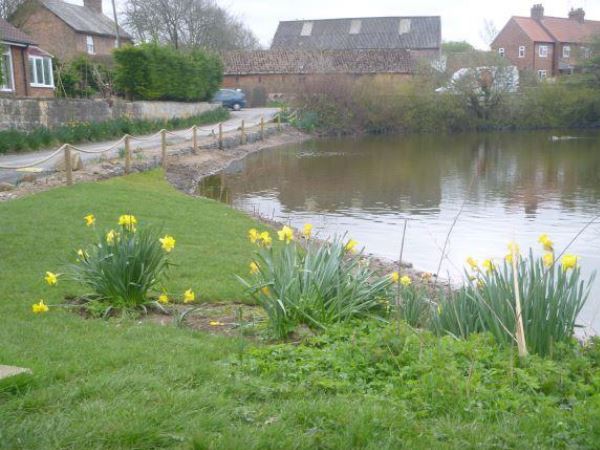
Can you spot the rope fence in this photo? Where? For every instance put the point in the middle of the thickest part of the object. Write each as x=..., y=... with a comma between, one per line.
x=191, y=133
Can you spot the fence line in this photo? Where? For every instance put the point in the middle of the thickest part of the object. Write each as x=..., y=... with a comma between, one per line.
x=67, y=149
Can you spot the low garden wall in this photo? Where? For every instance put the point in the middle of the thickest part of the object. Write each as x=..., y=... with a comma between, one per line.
x=28, y=113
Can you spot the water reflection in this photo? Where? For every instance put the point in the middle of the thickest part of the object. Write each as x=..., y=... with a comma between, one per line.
x=510, y=185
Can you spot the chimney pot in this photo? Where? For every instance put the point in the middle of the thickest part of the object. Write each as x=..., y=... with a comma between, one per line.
x=537, y=12
x=95, y=5
x=577, y=14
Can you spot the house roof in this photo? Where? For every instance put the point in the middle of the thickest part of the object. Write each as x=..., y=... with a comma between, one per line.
x=281, y=61
x=8, y=33
x=560, y=29
x=83, y=20
x=360, y=33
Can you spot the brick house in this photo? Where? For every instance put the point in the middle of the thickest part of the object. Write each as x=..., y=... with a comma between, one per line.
x=26, y=69
x=547, y=46
x=69, y=30
x=379, y=48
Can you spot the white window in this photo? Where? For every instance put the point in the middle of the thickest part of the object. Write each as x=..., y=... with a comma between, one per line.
x=522, y=51
x=6, y=83
x=587, y=53
x=306, y=29
x=542, y=75
x=501, y=51
x=355, y=26
x=567, y=51
x=405, y=26
x=91, y=48
x=543, y=51
x=41, y=71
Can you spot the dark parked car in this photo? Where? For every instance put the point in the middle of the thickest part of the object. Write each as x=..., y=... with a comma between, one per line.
x=230, y=98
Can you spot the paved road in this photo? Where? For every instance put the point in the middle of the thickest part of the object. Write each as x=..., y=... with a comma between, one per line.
x=250, y=116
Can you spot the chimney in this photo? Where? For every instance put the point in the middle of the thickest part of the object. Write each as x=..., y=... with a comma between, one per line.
x=537, y=12
x=94, y=5
x=577, y=14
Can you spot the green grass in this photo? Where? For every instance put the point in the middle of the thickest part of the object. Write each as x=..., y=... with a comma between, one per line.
x=122, y=384
x=77, y=132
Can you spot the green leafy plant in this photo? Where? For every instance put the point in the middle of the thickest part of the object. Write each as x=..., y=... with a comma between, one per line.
x=413, y=304
x=123, y=267
x=313, y=284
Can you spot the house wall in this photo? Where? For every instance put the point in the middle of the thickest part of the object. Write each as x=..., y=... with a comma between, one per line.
x=22, y=88
x=286, y=85
x=510, y=39
x=28, y=113
x=55, y=36
x=547, y=63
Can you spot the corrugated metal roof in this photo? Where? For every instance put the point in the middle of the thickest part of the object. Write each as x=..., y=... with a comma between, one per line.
x=84, y=20
x=8, y=33
x=282, y=61
x=375, y=33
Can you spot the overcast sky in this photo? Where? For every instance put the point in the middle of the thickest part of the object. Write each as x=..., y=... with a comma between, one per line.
x=461, y=19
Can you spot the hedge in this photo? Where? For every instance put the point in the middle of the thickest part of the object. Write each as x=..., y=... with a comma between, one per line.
x=153, y=72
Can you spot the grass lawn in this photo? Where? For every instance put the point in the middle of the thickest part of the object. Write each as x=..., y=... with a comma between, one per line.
x=125, y=384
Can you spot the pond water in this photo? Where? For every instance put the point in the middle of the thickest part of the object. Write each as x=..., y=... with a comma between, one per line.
x=509, y=186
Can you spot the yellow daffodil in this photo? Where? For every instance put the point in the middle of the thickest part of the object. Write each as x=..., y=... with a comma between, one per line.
x=266, y=291
x=40, y=307
x=83, y=255
x=307, y=231
x=168, y=243
x=265, y=239
x=163, y=299
x=548, y=259
x=405, y=281
x=513, y=249
x=90, y=220
x=351, y=246
x=395, y=277
x=111, y=237
x=472, y=262
x=569, y=262
x=189, y=296
x=51, y=279
x=286, y=234
x=488, y=265
x=128, y=222
x=216, y=323
x=546, y=242
x=254, y=269
x=253, y=235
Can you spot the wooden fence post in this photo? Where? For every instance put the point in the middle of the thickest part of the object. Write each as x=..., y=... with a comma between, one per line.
x=163, y=148
x=127, y=155
x=243, y=134
x=220, y=136
x=195, y=140
x=262, y=128
x=279, y=121
x=68, y=165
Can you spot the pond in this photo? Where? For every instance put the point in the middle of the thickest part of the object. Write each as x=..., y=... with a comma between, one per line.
x=505, y=186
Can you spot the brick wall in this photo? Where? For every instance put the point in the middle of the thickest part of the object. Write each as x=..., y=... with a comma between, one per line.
x=21, y=77
x=510, y=39
x=288, y=84
x=28, y=113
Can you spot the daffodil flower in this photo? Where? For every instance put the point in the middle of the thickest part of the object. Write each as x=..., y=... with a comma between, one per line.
x=488, y=265
x=40, y=308
x=253, y=235
x=51, y=279
x=307, y=231
x=472, y=262
x=168, y=243
x=351, y=246
x=163, y=299
x=265, y=239
x=128, y=222
x=395, y=277
x=111, y=237
x=405, y=281
x=286, y=234
x=216, y=323
x=90, y=220
x=548, y=259
x=569, y=262
x=189, y=296
x=254, y=269
x=546, y=242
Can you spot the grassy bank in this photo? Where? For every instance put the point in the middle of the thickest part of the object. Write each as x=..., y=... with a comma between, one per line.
x=125, y=384
x=77, y=132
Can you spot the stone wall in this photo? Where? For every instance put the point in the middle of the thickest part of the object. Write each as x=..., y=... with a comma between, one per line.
x=28, y=113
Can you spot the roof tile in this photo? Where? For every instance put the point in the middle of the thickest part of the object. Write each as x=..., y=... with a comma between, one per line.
x=8, y=33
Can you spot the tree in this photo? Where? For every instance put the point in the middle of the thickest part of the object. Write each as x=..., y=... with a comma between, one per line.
x=7, y=7
x=489, y=32
x=187, y=23
x=456, y=47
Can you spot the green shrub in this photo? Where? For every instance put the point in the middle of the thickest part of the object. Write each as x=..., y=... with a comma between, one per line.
x=153, y=72
x=122, y=267
x=414, y=303
x=552, y=296
x=313, y=284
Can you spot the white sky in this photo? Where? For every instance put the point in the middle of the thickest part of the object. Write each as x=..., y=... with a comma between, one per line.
x=461, y=19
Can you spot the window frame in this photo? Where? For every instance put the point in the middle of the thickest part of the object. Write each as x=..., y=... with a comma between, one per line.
x=502, y=52
x=3, y=87
x=522, y=51
x=34, y=81
x=546, y=51
x=90, y=45
x=566, y=51
x=542, y=74
x=307, y=29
